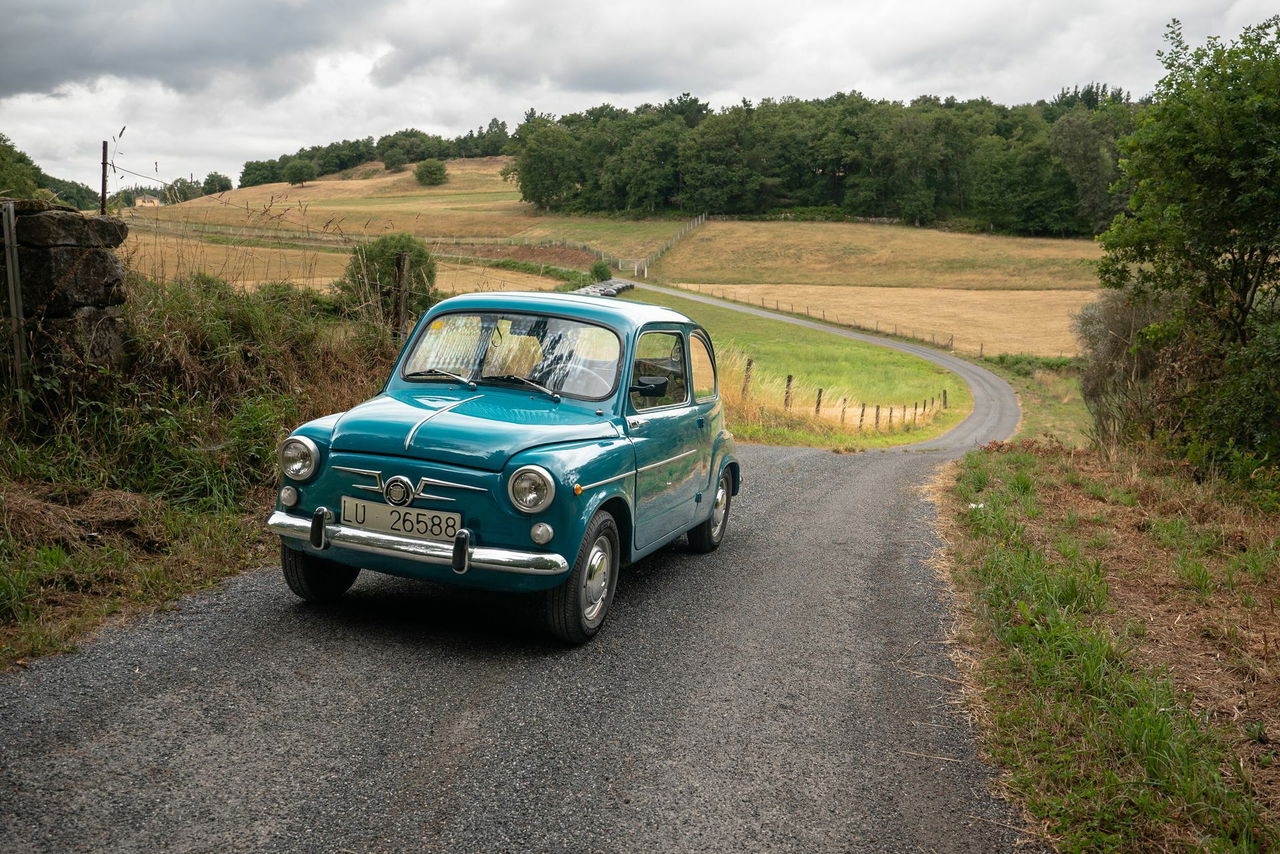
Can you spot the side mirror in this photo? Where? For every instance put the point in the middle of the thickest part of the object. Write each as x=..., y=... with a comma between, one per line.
x=650, y=387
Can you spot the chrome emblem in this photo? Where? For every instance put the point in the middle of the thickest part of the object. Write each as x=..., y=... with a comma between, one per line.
x=398, y=491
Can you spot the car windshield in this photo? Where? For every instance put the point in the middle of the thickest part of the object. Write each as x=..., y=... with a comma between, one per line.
x=550, y=354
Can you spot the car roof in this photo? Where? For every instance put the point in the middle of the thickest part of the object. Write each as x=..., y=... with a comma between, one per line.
x=622, y=315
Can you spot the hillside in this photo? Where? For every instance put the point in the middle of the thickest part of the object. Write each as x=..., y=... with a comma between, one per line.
x=989, y=292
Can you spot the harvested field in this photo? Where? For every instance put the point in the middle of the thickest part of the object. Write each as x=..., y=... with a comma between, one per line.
x=475, y=204
x=885, y=256
x=165, y=256
x=1035, y=322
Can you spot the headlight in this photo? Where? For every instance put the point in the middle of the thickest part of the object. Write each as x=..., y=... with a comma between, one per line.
x=298, y=456
x=531, y=489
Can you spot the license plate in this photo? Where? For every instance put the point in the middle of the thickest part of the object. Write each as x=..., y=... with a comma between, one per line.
x=403, y=521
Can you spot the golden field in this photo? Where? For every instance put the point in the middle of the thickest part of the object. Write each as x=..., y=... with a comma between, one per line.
x=474, y=204
x=165, y=256
x=885, y=256
x=989, y=322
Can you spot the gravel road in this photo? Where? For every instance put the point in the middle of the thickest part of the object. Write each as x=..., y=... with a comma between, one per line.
x=770, y=697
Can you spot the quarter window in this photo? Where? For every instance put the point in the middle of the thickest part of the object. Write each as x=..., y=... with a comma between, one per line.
x=660, y=358
x=704, y=368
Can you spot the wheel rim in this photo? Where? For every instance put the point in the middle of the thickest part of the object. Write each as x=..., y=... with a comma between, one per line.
x=720, y=511
x=596, y=579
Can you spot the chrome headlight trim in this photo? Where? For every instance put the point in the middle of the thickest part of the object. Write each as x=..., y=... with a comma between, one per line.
x=313, y=453
x=546, y=478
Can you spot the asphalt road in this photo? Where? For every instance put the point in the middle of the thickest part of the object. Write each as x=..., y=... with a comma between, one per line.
x=767, y=697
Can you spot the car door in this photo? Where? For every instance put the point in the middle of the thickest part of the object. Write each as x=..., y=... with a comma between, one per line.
x=708, y=413
x=664, y=431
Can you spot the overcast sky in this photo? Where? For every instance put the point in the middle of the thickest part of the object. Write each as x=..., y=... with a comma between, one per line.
x=204, y=86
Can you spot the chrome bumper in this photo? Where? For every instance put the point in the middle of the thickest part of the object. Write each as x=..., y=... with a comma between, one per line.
x=421, y=551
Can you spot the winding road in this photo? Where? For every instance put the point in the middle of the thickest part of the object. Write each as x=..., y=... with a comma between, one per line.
x=790, y=692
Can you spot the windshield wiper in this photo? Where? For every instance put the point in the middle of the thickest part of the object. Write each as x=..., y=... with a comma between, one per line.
x=438, y=372
x=510, y=378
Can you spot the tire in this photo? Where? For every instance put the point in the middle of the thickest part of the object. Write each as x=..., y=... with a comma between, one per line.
x=576, y=610
x=706, y=537
x=314, y=578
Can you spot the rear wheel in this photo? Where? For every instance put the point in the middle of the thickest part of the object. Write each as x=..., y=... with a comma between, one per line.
x=575, y=610
x=706, y=537
x=314, y=578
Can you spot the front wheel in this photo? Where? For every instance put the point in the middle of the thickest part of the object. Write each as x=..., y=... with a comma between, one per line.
x=706, y=537
x=314, y=578
x=575, y=610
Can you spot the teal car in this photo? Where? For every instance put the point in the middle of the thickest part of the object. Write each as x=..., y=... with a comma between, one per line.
x=524, y=442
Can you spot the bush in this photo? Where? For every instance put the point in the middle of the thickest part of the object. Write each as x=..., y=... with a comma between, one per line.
x=600, y=271
x=394, y=160
x=215, y=376
x=300, y=171
x=431, y=172
x=370, y=287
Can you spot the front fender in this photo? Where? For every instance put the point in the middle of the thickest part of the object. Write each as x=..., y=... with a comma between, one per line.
x=587, y=475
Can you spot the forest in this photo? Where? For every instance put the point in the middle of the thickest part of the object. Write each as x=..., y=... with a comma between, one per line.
x=1039, y=169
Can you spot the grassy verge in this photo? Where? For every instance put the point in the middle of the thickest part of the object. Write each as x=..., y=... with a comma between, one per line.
x=1049, y=394
x=1122, y=616
x=845, y=370
x=121, y=490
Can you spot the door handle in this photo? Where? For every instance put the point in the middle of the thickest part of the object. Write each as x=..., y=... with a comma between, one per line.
x=635, y=423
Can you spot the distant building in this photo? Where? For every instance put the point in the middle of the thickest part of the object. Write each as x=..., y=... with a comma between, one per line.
x=146, y=202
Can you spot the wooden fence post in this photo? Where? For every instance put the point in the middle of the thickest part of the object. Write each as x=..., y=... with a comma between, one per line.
x=844, y=409
x=944, y=398
x=817, y=407
x=915, y=411
x=890, y=416
x=17, y=322
x=786, y=402
x=980, y=345
x=746, y=380
x=862, y=417
x=877, y=418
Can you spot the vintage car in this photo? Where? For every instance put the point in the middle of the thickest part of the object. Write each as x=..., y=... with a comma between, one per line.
x=524, y=442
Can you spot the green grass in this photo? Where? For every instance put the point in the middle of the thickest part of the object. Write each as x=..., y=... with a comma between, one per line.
x=1110, y=756
x=864, y=371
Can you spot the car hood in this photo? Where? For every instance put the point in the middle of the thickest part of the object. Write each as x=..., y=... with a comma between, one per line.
x=480, y=431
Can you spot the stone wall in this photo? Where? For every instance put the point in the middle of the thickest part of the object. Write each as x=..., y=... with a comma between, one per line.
x=72, y=286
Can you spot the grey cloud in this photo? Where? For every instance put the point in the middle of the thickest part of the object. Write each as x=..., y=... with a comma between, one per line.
x=48, y=43
x=583, y=47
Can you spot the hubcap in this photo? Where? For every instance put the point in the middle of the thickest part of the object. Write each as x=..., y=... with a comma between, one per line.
x=595, y=581
x=720, y=509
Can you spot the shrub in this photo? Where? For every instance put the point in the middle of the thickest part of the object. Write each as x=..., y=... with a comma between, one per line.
x=394, y=160
x=371, y=285
x=600, y=271
x=431, y=172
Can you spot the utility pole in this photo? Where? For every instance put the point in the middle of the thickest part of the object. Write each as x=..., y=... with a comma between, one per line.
x=102, y=200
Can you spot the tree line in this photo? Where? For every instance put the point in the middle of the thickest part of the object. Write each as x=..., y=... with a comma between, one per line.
x=404, y=146
x=1044, y=168
x=21, y=178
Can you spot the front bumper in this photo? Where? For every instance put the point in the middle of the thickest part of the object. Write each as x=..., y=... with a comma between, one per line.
x=420, y=551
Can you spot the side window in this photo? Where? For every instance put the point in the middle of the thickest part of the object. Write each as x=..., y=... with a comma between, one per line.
x=704, y=368
x=660, y=358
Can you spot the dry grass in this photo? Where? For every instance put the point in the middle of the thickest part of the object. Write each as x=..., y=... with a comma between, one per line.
x=1035, y=322
x=883, y=256
x=475, y=203
x=166, y=256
